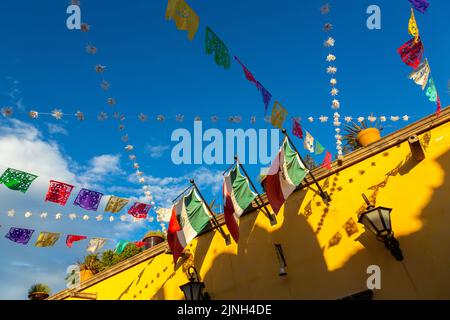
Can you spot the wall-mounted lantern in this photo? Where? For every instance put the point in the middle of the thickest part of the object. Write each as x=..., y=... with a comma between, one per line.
x=193, y=290
x=378, y=221
x=281, y=259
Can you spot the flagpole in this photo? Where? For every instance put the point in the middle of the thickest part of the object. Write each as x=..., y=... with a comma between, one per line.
x=324, y=195
x=181, y=194
x=271, y=217
x=230, y=166
x=216, y=223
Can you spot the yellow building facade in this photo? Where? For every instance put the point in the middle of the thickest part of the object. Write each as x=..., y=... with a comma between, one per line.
x=327, y=251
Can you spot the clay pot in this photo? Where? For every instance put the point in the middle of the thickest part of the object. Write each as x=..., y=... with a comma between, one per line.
x=152, y=240
x=38, y=296
x=85, y=274
x=368, y=136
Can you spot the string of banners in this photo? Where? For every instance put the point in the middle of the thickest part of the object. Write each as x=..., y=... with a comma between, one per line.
x=332, y=70
x=189, y=21
x=412, y=54
x=85, y=217
x=111, y=102
x=238, y=194
x=74, y=216
x=49, y=239
x=58, y=114
x=60, y=192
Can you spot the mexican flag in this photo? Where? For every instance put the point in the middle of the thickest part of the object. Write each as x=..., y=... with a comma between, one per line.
x=285, y=174
x=237, y=196
x=189, y=217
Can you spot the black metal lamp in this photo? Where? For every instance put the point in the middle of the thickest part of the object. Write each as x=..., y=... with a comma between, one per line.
x=193, y=290
x=378, y=221
x=281, y=259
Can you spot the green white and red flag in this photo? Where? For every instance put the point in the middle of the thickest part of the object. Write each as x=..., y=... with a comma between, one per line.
x=237, y=196
x=285, y=174
x=190, y=216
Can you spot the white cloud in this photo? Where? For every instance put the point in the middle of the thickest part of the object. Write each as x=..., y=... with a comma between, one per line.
x=16, y=272
x=127, y=229
x=14, y=94
x=156, y=152
x=20, y=105
x=23, y=147
x=105, y=164
x=98, y=171
x=166, y=189
x=56, y=129
x=21, y=264
x=121, y=190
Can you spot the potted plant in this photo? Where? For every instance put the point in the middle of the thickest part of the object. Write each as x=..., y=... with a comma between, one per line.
x=153, y=238
x=39, y=291
x=90, y=266
x=360, y=134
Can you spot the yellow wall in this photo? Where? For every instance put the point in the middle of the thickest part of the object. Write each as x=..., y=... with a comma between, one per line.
x=317, y=266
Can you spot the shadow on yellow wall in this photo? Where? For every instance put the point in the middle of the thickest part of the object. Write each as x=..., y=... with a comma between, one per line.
x=327, y=252
x=252, y=271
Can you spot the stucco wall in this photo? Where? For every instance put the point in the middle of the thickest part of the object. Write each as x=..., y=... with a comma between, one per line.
x=323, y=261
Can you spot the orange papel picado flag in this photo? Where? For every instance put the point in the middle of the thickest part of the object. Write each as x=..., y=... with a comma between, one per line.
x=185, y=18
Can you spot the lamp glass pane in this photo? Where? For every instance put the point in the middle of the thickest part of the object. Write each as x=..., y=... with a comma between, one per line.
x=197, y=288
x=186, y=288
x=374, y=216
x=366, y=222
x=387, y=217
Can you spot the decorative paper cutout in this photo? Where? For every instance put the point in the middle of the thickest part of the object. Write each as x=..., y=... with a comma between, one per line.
x=88, y=199
x=19, y=235
x=214, y=44
x=58, y=192
x=17, y=180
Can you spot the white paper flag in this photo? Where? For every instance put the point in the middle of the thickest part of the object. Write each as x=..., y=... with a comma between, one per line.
x=95, y=244
x=308, y=142
x=420, y=74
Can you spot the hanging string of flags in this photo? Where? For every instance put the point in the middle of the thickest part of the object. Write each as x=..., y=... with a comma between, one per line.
x=59, y=193
x=222, y=57
x=141, y=209
x=332, y=70
x=74, y=216
x=412, y=53
x=215, y=45
x=185, y=18
x=49, y=239
x=266, y=96
x=57, y=114
x=238, y=195
x=311, y=144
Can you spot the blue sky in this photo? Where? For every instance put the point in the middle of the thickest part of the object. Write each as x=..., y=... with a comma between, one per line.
x=154, y=69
